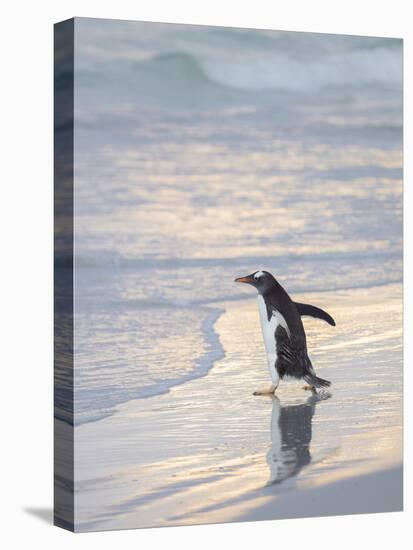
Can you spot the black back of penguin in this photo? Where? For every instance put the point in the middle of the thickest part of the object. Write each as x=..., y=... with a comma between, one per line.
x=277, y=298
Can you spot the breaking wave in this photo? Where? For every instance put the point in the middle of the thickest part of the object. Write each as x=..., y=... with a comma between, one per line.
x=280, y=72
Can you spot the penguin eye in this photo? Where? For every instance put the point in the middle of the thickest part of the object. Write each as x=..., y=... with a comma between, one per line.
x=258, y=275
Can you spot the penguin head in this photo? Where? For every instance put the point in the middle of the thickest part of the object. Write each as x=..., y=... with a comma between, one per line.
x=261, y=280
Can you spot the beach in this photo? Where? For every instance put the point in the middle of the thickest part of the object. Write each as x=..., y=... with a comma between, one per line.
x=203, y=154
x=209, y=451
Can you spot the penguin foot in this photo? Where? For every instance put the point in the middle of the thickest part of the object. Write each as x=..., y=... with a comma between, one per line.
x=265, y=391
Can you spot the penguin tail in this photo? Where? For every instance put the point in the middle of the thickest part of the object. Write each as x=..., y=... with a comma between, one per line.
x=317, y=382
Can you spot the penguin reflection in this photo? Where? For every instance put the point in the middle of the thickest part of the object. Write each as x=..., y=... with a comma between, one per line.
x=291, y=432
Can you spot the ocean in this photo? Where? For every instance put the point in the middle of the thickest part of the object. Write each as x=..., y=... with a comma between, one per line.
x=203, y=154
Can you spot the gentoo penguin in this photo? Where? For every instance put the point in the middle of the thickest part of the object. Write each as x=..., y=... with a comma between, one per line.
x=283, y=332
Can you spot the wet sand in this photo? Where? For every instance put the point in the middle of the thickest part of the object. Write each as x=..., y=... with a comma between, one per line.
x=209, y=451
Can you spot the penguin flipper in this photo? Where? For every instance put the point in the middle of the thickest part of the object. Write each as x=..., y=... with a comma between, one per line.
x=312, y=311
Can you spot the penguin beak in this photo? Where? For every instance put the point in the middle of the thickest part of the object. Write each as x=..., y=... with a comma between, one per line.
x=247, y=279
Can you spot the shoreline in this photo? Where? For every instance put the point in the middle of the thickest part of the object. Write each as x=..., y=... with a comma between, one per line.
x=209, y=451
x=202, y=366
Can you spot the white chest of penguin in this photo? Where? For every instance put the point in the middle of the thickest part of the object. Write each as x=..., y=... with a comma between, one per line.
x=268, y=328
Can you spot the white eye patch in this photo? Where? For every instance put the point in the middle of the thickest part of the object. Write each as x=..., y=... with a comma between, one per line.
x=258, y=274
